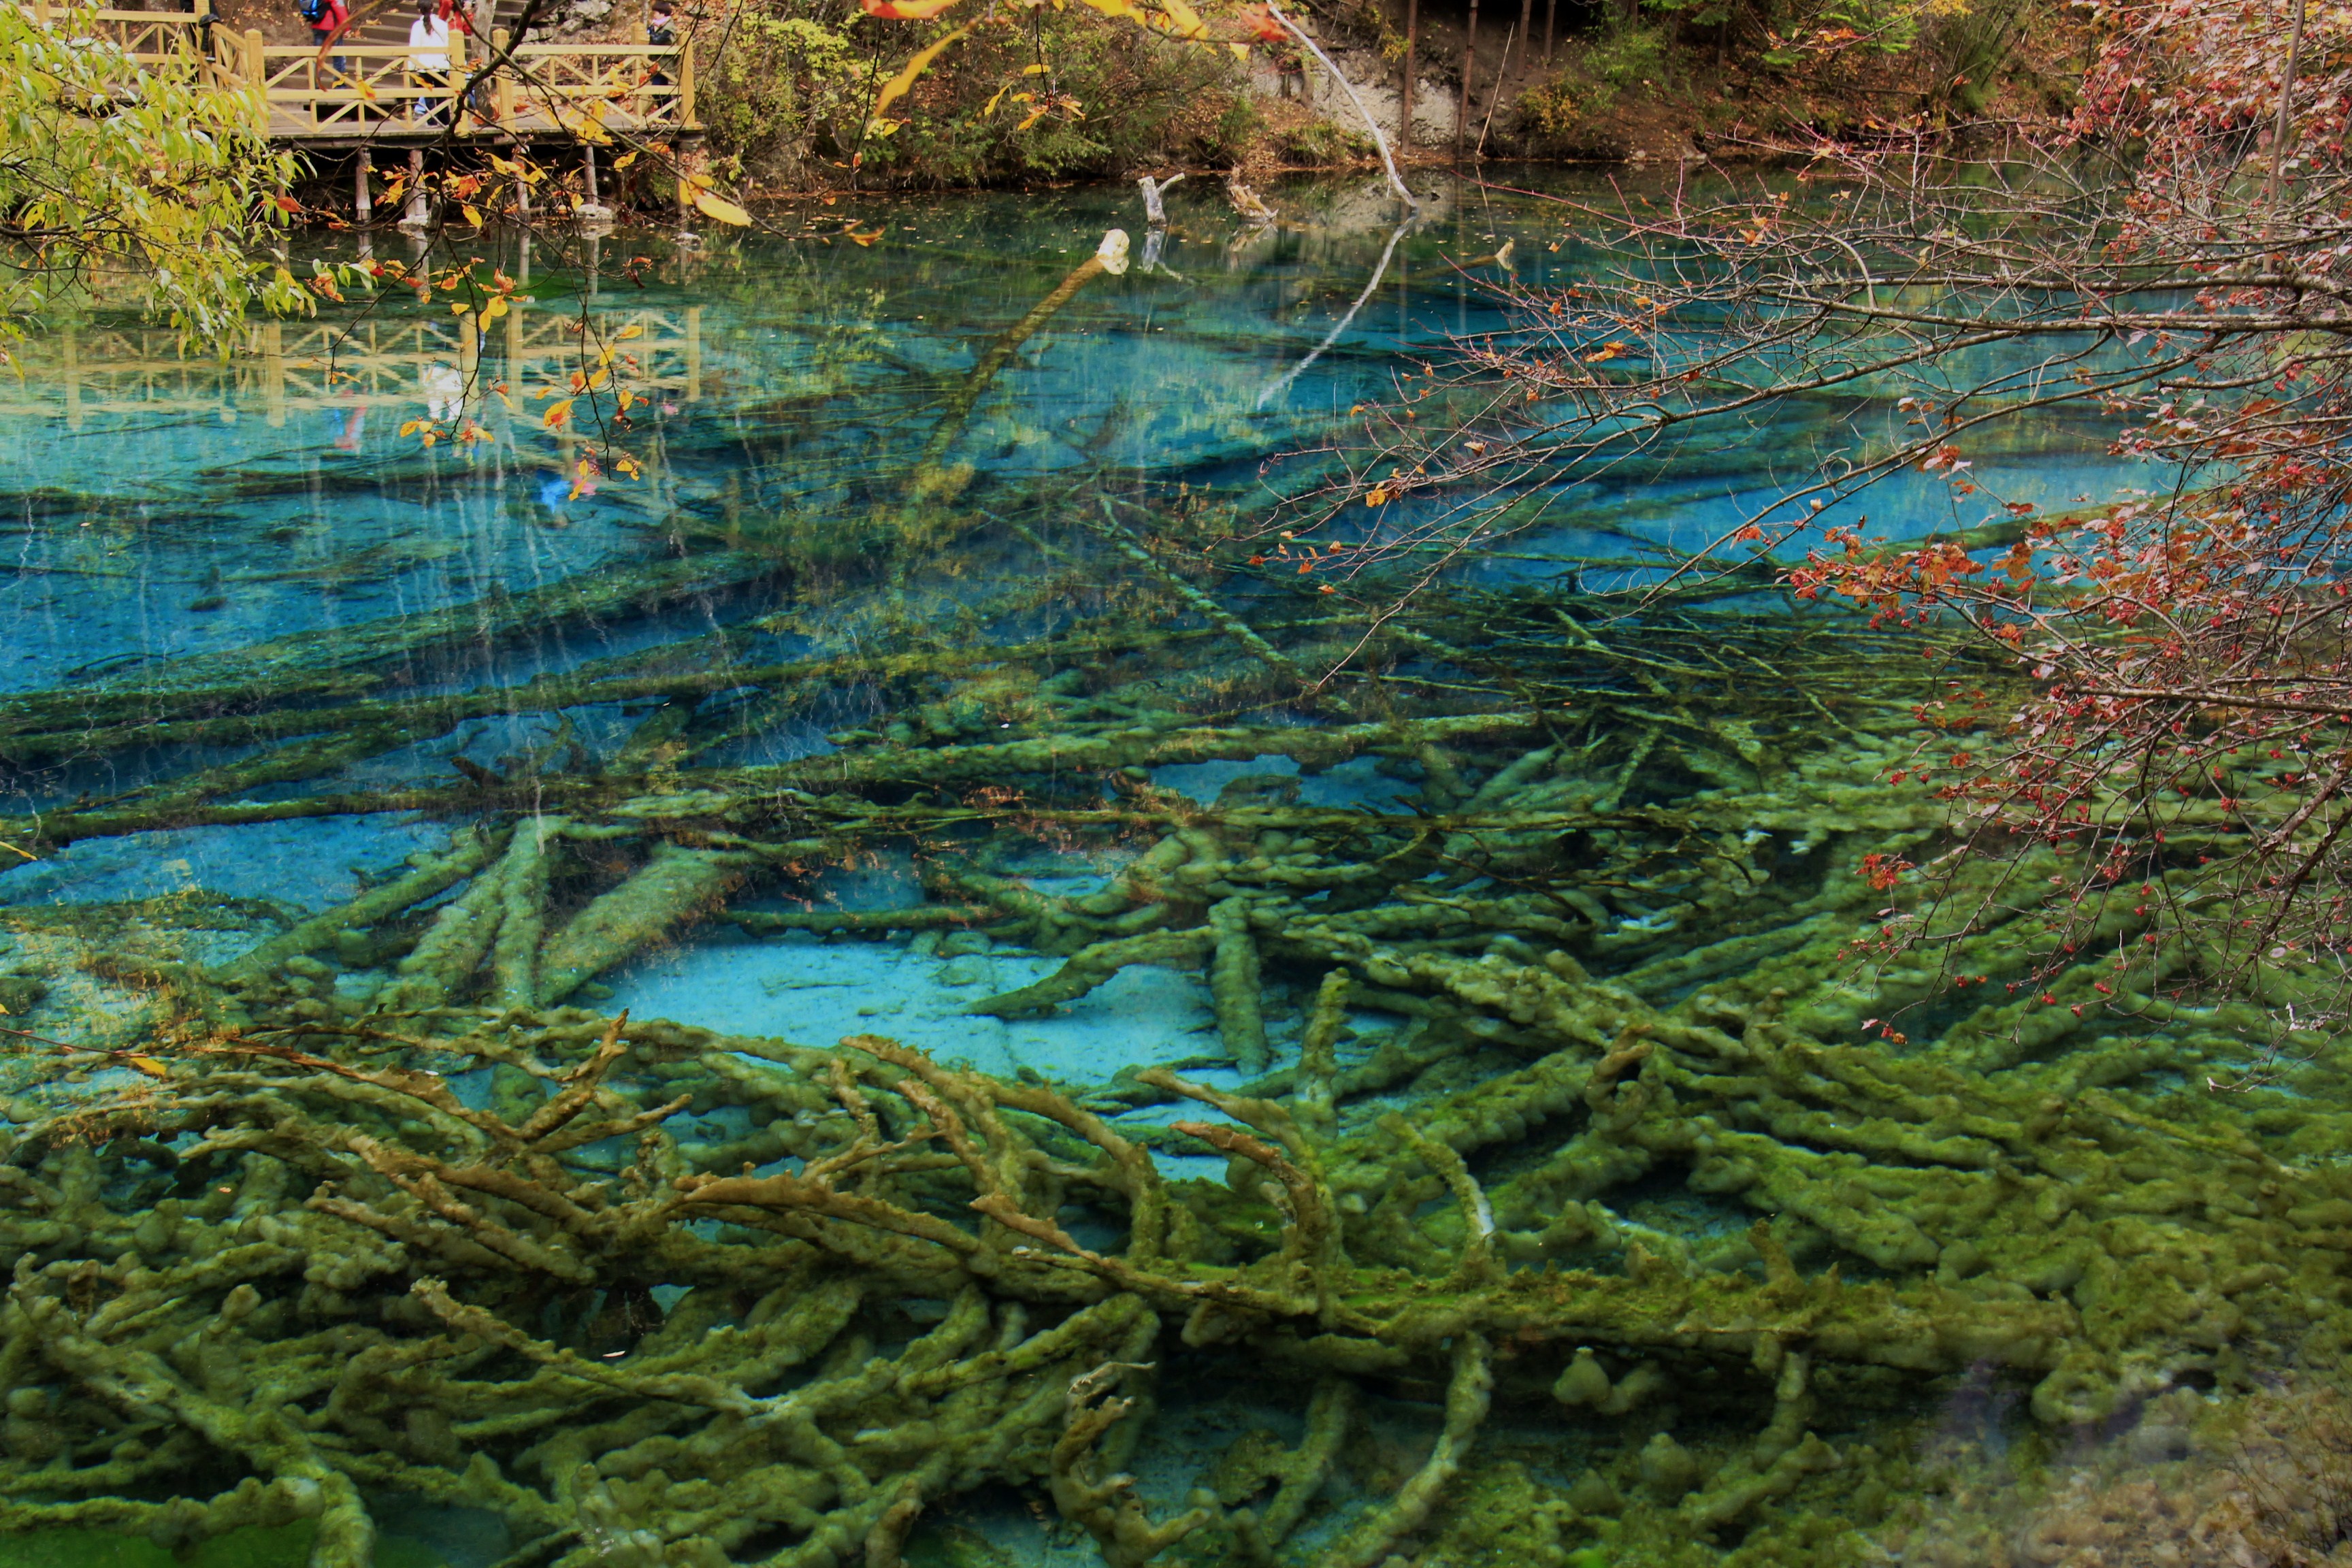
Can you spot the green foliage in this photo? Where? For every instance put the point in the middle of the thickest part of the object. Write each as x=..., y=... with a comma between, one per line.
x=1322, y=140
x=785, y=84
x=1034, y=93
x=1561, y=105
x=1975, y=44
x=1626, y=58
x=117, y=174
x=1597, y=72
x=1889, y=26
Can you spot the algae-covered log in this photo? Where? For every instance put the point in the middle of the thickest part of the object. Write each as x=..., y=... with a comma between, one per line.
x=676, y=885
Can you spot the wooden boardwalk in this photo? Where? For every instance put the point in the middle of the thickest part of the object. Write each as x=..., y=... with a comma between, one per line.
x=513, y=94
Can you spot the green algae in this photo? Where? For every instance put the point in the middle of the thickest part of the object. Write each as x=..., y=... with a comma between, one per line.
x=288, y=1546
x=1557, y=1112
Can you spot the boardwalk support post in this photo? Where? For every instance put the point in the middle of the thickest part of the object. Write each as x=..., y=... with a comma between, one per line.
x=363, y=198
x=419, y=216
x=593, y=209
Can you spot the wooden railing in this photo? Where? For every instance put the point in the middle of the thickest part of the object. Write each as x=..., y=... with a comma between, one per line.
x=154, y=39
x=580, y=90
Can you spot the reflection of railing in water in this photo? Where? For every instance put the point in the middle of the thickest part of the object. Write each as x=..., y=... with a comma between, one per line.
x=282, y=368
x=535, y=91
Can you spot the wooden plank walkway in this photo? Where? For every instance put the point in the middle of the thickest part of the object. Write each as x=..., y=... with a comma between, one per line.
x=521, y=95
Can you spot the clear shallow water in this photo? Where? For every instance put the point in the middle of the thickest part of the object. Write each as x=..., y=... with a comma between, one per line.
x=923, y=663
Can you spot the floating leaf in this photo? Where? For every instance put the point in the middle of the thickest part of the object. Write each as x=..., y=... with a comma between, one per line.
x=149, y=1065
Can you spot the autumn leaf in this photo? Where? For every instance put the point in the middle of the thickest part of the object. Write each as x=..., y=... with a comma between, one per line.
x=720, y=209
x=1376, y=497
x=557, y=412
x=899, y=86
x=473, y=214
x=149, y=1065
x=626, y=333
x=906, y=10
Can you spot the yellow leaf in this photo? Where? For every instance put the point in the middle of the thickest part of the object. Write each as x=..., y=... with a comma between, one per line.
x=626, y=333
x=1033, y=71
x=1241, y=52
x=625, y=159
x=473, y=214
x=149, y=1065
x=557, y=412
x=721, y=209
x=458, y=307
x=991, y=107
x=898, y=86
x=411, y=428
x=598, y=379
x=1376, y=497
x=495, y=309
x=1186, y=22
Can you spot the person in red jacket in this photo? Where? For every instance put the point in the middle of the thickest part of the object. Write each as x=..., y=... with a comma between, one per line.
x=329, y=19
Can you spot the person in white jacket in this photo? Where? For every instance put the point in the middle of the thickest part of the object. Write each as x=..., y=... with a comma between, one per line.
x=428, y=62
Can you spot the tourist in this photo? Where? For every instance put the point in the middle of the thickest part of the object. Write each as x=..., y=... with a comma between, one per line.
x=329, y=19
x=428, y=62
x=659, y=34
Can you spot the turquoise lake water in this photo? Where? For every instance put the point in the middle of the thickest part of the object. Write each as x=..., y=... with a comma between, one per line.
x=912, y=492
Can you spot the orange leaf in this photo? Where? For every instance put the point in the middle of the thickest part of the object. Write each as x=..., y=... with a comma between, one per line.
x=557, y=412
x=906, y=10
